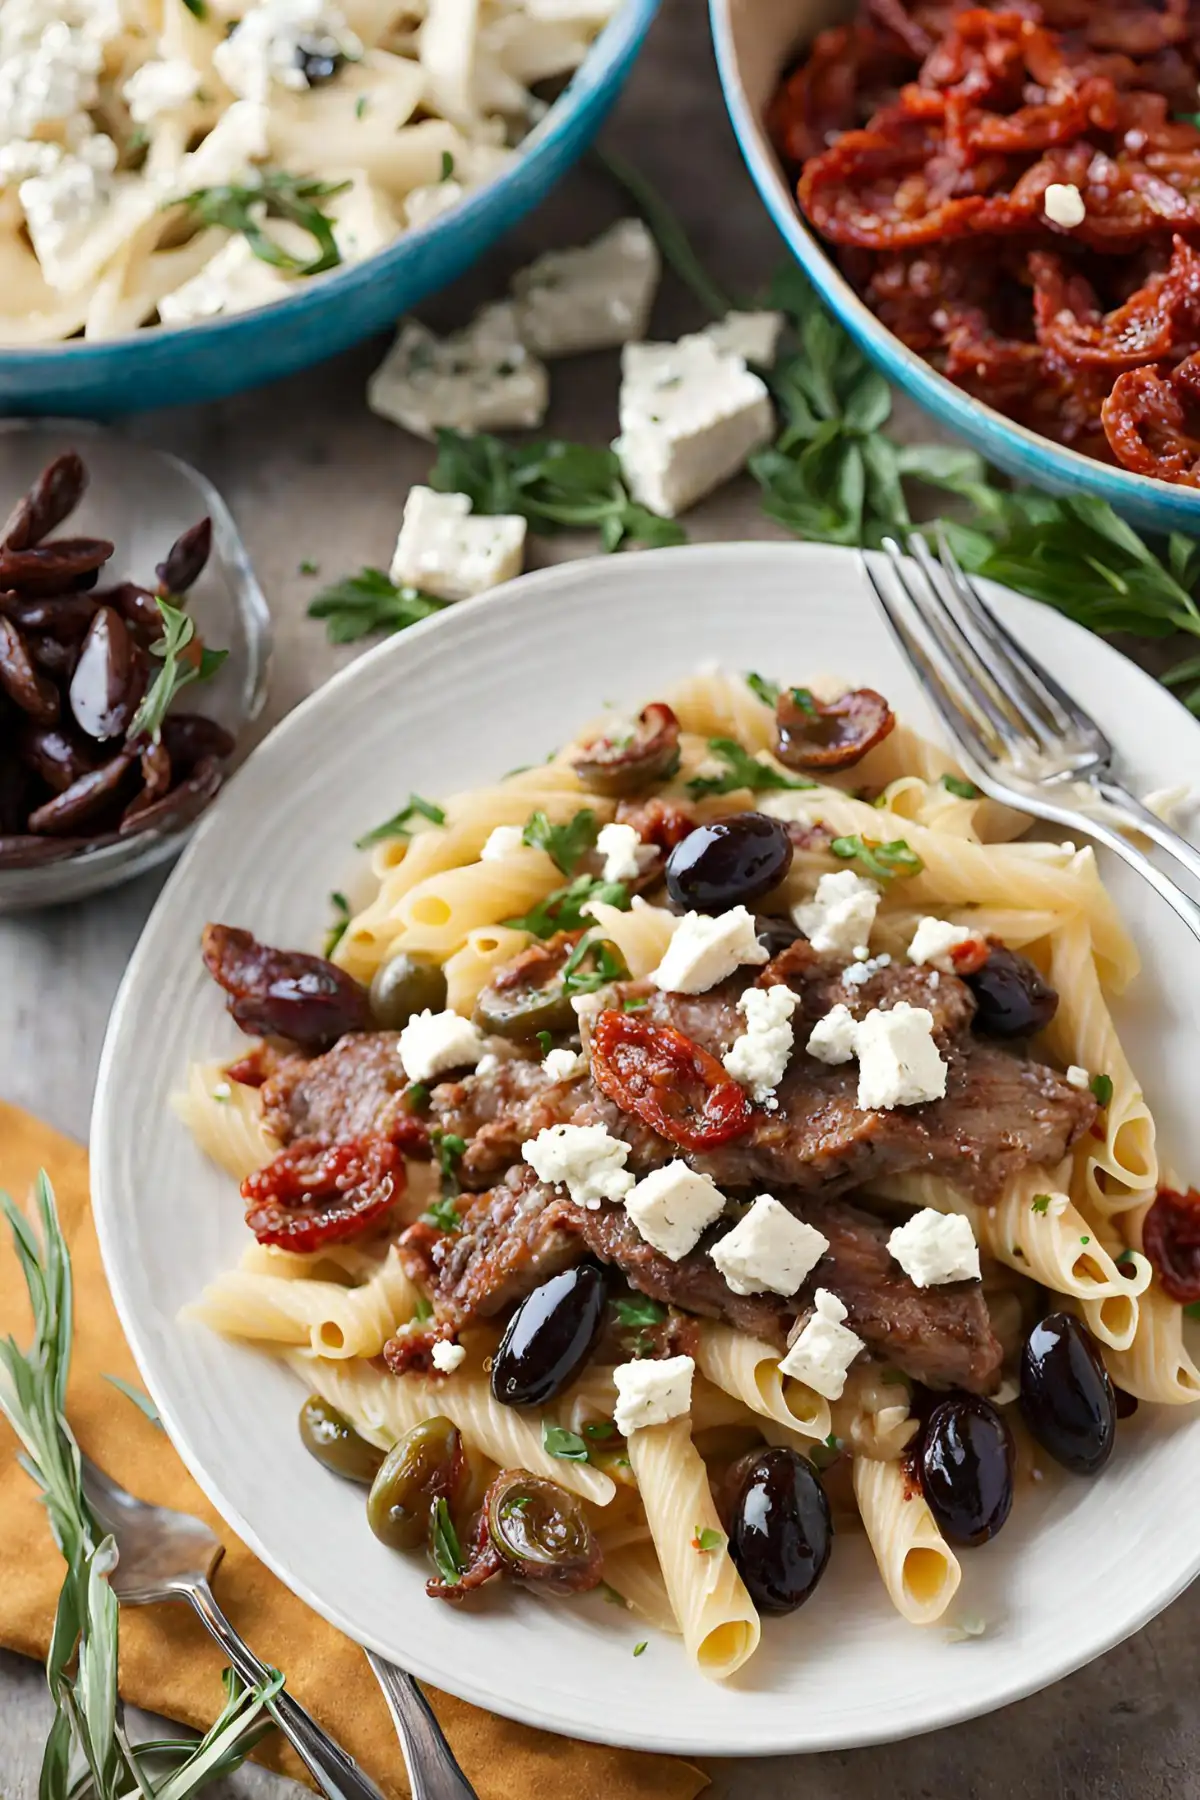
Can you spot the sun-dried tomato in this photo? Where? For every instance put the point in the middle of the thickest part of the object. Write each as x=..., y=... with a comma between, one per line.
x=1171, y=1239
x=815, y=734
x=1146, y=424
x=284, y=993
x=671, y=1083
x=314, y=1194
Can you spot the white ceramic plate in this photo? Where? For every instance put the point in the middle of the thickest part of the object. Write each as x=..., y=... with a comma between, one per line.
x=456, y=701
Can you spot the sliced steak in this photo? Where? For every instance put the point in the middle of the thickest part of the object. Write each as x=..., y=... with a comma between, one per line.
x=512, y=1239
x=352, y=1091
x=498, y=1111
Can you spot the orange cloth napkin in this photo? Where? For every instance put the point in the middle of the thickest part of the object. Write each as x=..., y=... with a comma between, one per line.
x=168, y=1663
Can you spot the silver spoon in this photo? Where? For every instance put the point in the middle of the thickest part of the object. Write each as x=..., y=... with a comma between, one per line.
x=167, y=1555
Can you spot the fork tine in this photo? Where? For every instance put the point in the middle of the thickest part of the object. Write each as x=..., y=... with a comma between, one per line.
x=957, y=720
x=1063, y=713
x=973, y=673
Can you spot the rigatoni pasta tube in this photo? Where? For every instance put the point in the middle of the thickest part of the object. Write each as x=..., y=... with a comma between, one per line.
x=225, y=1118
x=920, y=1571
x=1157, y=1364
x=332, y=1319
x=716, y=1615
x=749, y=1370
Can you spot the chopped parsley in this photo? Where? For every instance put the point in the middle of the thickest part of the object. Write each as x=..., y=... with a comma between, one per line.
x=741, y=771
x=545, y=1042
x=309, y=567
x=764, y=690
x=1192, y=1311
x=1040, y=1203
x=706, y=1539
x=804, y=699
x=448, y=1147
x=370, y=601
x=634, y=1005
x=361, y=105
x=444, y=1545
x=566, y=845
x=422, y=1311
x=444, y=1214
x=607, y=965
x=604, y=1428
x=638, y=1649
x=633, y=1314
x=566, y=1445
x=826, y=1453
x=447, y=166
x=1085, y=1240
x=563, y=909
x=341, y=918
x=274, y=194
x=397, y=825
x=416, y=1097
x=965, y=790
x=1102, y=1088
x=881, y=861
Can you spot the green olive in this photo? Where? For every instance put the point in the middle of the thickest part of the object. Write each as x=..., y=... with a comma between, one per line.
x=419, y=1469
x=523, y=1012
x=331, y=1438
x=542, y=1532
x=410, y=983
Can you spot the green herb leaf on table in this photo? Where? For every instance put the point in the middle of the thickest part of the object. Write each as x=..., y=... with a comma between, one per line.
x=341, y=918
x=397, y=825
x=274, y=195
x=566, y=844
x=444, y=1546
x=183, y=661
x=370, y=601
x=742, y=770
x=568, y=1446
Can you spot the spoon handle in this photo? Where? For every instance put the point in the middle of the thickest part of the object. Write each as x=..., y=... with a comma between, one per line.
x=335, y=1773
x=433, y=1773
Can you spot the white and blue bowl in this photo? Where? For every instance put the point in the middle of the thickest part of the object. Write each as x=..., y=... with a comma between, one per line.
x=170, y=367
x=756, y=41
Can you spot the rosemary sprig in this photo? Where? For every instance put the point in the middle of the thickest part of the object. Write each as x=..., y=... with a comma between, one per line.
x=184, y=660
x=274, y=195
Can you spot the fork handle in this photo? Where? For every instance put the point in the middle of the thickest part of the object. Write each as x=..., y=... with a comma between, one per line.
x=433, y=1772
x=1137, y=814
x=336, y=1774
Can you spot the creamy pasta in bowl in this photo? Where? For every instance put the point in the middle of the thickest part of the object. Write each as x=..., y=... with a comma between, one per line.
x=170, y=164
x=707, y=1169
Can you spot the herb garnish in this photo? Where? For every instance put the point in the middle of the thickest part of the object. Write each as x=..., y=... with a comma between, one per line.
x=143, y=1402
x=742, y=770
x=197, y=8
x=369, y=601
x=397, y=825
x=563, y=910
x=640, y=1649
x=1040, y=1203
x=607, y=964
x=881, y=861
x=632, y=1314
x=447, y=166
x=1102, y=1089
x=422, y=1311
x=706, y=1539
x=416, y=1097
x=604, y=1428
x=566, y=1445
x=444, y=1214
x=566, y=845
x=965, y=790
x=183, y=661
x=545, y=1041
x=764, y=690
x=448, y=1148
x=444, y=1546
x=240, y=207
x=341, y=918
x=361, y=105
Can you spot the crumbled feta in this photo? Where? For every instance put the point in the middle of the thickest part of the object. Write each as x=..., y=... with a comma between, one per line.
x=488, y=1063
x=590, y=298
x=690, y=417
x=1077, y=1077
x=480, y=379
x=26, y=157
x=502, y=842
x=933, y=941
x=822, y=1354
x=705, y=950
x=160, y=87
x=754, y=336
x=447, y=550
x=563, y=1065
x=233, y=281
x=625, y=855
x=934, y=1247
x=422, y=205
x=78, y=216
x=46, y=79
x=1064, y=205
x=582, y=1158
x=448, y=1357
x=433, y=1042
x=651, y=1392
x=789, y=807
x=898, y=1062
x=759, y=1057
x=859, y=973
x=238, y=140
x=586, y=1006
x=268, y=44
x=840, y=915
x=673, y=1206
x=769, y=1250
x=834, y=1038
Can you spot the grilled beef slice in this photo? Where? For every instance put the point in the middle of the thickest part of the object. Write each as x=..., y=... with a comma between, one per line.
x=351, y=1091
x=499, y=1111
x=511, y=1240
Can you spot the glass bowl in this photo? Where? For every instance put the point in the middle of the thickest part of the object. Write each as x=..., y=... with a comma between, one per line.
x=142, y=499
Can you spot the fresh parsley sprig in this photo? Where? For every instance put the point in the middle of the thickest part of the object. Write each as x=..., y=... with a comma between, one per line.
x=882, y=862
x=273, y=195
x=370, y=601
x=566, y=1445
x=742, y=770
x=563, y=910
x=567, y=844
x=398, y=825
x=184, y=660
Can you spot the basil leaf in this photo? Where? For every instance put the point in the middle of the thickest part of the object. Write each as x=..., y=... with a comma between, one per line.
x=566, y=1445
x=181, y=665
x=632, y=1314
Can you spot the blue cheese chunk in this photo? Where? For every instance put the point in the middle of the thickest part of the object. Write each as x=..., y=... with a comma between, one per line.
x=673, y=1206
x=754, y=336
x=690, y=417
x=480, y=379
x=769, y=1250
x=590, y=298
x=446, y=550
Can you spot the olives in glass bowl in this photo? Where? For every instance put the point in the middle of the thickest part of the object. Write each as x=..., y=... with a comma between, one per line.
x=142, y=501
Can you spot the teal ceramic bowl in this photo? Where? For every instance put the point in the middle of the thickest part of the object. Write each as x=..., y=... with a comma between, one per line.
x=171, y=367
x=756, y=40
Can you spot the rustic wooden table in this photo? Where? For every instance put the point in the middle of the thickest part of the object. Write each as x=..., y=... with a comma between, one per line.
x=311, y=474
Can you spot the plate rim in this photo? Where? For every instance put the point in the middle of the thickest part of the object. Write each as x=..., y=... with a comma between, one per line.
x=106, y=1120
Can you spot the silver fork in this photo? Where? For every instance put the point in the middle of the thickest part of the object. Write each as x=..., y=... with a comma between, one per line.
x=1022, y=737
x=167, y=1555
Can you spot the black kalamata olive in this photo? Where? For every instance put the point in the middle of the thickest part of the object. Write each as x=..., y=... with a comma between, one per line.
x=1012, y=999
x=318, y=61
x=1067, y=1398
x=410, y=983
x=107, y=683
x=329, y=1436
x=775, y=933
x=966, y=1465
x=732, y=862
x=781, y=1532
x=550, y=1337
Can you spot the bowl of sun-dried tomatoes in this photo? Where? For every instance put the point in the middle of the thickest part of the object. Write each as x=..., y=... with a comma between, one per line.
x=134, y=641
x=1002, y=206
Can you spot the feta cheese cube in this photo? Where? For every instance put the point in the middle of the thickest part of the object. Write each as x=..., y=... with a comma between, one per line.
x=898, y=1062
x=233, y=281
x=582, y=1158
x=625, y=855
x=480, y=379
x=563, y=1065
x=822, y=1354
x=705, y=950
x=1077, y=1077
x=933, y=1248
x=769, y=1250
x=448, y=1357
x=160, y=87
x=589, y=298
x=834, y=1039
x=446, y=550
x=239, y=139
x=754, y=336
x=933, y=941
x=838, y=919
x=690, y=417
x=503, y=841
x=652, y=1392
x=673, y=1206
x=760, y=1056
x=1064, y=205
x=434, y=1042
